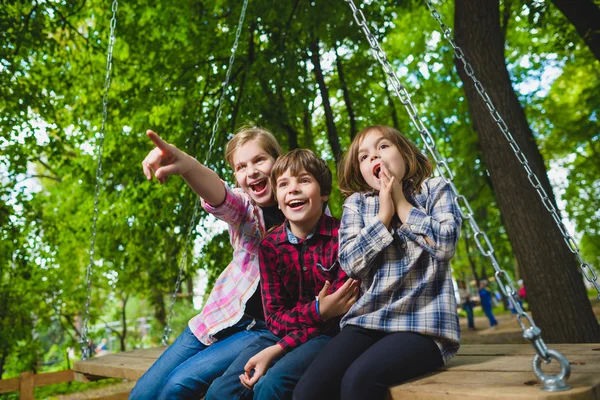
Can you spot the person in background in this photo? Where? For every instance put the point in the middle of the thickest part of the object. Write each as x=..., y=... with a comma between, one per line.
x=485, y=298
x=467, y=303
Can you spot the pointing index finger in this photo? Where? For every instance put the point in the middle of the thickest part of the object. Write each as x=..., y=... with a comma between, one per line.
x=161, y=144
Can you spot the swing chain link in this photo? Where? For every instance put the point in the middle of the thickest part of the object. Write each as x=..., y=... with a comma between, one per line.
x=505, y=283
x=167, y=331
x=531, y=333
x=585, y=267
x=84, y=341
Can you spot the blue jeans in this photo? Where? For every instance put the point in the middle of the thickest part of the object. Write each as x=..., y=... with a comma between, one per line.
x=187, y=368
x=487, y=309
x=468, y=307
x=280, y=379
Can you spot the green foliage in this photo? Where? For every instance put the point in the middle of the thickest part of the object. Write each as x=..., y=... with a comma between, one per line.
x=169, y=61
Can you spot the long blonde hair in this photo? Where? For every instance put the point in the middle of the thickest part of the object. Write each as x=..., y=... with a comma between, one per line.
x=265, y=139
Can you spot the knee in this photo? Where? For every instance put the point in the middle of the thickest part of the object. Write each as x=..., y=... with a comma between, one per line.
x=356, y=383
x=177, y=388
x=172, y=391
x=303, y=391
x=217, y=391
x=267, y=388
x=224, y=389
x=310, y=388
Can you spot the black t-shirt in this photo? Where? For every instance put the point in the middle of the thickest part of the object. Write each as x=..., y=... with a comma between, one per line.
x=273, y=217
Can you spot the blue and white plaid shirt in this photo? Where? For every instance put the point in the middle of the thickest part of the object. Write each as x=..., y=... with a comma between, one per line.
x=406, y=284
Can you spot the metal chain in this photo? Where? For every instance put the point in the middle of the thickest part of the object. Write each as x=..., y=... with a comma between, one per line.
x=167, y=331
x=530, y=330
x=587, y=270
x=85, y=349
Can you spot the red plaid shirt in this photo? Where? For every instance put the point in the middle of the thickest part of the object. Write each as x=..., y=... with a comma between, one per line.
x=292, y=272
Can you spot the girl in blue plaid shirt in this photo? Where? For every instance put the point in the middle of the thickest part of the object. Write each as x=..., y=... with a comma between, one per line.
x=399, y=230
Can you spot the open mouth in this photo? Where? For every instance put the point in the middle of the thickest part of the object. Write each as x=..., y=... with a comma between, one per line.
x=377, y=170
x=258, y=187
x=296, y=204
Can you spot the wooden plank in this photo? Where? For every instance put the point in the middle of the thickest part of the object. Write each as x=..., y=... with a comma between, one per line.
x=9, y=385
x=26, y=388
x=478, y=371
x=504, y=372
x=115, y=396
x=455, y=385
x=52, y=378
x=587, y=364
x=526, y=349
x=127, y=365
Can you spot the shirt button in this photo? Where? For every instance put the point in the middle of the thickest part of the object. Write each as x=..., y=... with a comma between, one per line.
x=413, y=227
x=304, y=268
x=403, y=245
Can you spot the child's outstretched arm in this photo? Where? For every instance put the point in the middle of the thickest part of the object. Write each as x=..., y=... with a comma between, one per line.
x=436, y=227
x=166, y=160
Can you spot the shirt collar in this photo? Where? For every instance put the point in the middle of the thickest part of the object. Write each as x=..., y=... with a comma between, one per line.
x=324, y=227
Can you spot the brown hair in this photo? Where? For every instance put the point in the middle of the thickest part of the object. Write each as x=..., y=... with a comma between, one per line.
x=302, y=159
x=418, y=167
x=265, y=139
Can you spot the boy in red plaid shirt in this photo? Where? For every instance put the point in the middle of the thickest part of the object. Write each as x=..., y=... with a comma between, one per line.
x=304, y=290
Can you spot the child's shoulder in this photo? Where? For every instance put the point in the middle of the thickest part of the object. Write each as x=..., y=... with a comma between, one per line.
x=433, y=184
x=357, y=198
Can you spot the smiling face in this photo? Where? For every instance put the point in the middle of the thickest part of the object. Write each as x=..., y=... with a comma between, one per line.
x=299, y=198
x=373, y=152
x=252, y=166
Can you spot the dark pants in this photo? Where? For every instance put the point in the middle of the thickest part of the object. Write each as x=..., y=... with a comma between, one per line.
x=280, y=379
x=468, y=307
x=363, y=364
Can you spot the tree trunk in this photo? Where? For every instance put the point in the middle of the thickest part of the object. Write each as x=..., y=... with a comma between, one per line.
x=585, y=16
x=3, y=362
x=123, y=335
x=346, y=91
x=334, y=140
x=470, y=258
x=160, y=313
x=190, y=288
x=309, y=142
x=555, y=289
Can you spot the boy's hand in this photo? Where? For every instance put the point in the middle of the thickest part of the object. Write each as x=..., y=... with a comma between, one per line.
x=337, y=303
x=260, y=363
x=387, y=208
x=165, y=160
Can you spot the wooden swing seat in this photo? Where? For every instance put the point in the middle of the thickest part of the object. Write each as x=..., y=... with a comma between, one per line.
x=488, y=371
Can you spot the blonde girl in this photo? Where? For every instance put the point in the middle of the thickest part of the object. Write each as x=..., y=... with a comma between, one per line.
x=233, y=316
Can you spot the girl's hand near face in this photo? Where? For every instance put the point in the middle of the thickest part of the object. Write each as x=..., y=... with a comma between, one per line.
x=401, y=206
x=387, y=207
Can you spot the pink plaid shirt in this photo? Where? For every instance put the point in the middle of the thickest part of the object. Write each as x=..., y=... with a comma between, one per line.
x=237, y=283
